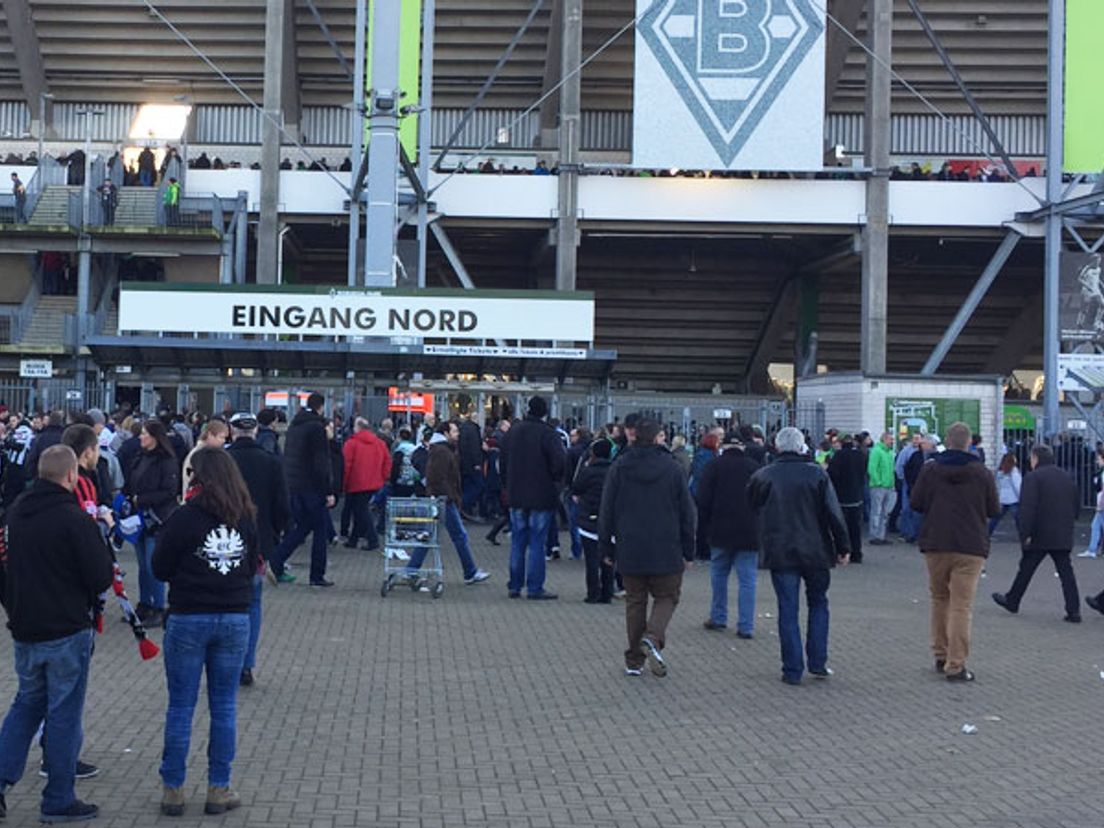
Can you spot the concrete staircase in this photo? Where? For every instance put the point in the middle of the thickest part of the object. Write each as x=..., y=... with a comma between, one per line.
x=137, y=207
x=47, y=327
x=53, y=206
x=111, y=322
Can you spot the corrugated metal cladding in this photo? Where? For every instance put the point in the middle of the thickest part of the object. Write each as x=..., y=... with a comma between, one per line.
x=918, y=135
x=112, y=125
x=913, y=135
x=15, y=118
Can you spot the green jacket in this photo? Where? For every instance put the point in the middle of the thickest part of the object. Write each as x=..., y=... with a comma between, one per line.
x=172, y=195
x=879, y=468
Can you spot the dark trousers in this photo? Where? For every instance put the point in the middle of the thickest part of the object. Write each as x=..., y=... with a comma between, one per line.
x=363, y=525
x=896, y=513
x=787, y=588
x=500, y=524
x=471, y=485
x=853, y=515
x=308, y=510
x=664, y=591
x=1029, y=562
x=599, y=575
x=346, y=515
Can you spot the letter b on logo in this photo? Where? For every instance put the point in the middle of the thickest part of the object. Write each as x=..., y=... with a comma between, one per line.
x=733, y=35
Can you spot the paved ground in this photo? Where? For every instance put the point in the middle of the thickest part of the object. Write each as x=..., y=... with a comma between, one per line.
x=477, y=710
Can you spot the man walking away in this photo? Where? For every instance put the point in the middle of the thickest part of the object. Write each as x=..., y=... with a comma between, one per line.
x=264, y=478
x=533, y=459
x=57, y=566
x=847, y=471
x=471, y=458
x=883, y=488
x=311, y=491
x=802, y=535
x=267, y=438
x=646, y=507
x=910, y=520
x=730, y=527
x=367, y=469
x=957, y=496
x=586, y=490
x=1049, y=506
x=443, y=480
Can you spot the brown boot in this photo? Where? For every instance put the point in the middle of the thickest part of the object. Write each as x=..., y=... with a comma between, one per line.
x=172, y=801
x=221, y=800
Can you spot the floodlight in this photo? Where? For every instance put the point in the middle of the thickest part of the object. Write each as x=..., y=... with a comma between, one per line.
x=165, y=122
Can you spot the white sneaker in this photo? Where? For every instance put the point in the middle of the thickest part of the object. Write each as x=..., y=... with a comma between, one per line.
x=478, y=577
x=633, y=671
x=1088, y=553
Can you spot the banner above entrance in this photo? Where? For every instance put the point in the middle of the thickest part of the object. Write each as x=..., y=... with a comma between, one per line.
x=523, y=316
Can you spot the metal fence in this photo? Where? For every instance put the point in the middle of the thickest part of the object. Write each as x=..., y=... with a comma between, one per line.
x=27, y=396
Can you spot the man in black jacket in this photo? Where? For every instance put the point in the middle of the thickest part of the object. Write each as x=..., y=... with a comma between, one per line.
x=1049, y=506
x=847, y=470
x=729, y=525
x=586, y=490
x=49, y=436
x=646, y=508
x=311, y=488
x=803, y=535
x=532, y=460
x=264, y=477
x=57, y=566
x=471, y=458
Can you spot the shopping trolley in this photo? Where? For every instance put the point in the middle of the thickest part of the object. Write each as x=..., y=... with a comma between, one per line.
x=412, y=525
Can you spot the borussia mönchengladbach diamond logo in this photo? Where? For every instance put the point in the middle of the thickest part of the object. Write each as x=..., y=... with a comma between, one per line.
x=729, y=59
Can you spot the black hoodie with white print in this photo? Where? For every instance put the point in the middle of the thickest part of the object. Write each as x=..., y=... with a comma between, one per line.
x=208, y=565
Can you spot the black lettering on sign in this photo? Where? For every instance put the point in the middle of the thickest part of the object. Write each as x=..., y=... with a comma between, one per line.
x=448, y=319
x=239, y=316
x=340, y=317
x=269, y=317
x=364, y=319
x=424, y=320
x=294, y=317
x=317, y=318
x=398, y=320
x=468, y=320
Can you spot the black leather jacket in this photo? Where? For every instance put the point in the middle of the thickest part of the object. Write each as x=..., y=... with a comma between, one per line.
x=800, y=522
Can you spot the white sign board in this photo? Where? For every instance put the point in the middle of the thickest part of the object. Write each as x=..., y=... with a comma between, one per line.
x=1081, y=372
x=505, y=351
x=453, y=314
x=36, y=368
x=729, y=84
x=73, y=395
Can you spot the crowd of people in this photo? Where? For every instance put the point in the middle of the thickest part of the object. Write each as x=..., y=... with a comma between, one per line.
x=214, y=506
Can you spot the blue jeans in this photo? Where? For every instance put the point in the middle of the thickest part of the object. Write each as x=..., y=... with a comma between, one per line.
x=1097, y=531
x=254, y=623
x=454, y=525
x=151, y=591
x=53, y=677
x=908, y=520
x=528, y=533
x=308, y=510
x=787, y=586
x=217, y=642
x=747, y=571
x=471, y=484
x=1014, y=508
x=573, y=528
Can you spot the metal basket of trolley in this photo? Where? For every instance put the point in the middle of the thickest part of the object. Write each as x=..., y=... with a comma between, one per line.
x=411, y=547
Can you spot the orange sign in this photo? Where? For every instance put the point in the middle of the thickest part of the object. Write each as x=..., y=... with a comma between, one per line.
x=410, y=402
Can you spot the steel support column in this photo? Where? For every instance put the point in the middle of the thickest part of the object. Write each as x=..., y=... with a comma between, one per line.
x=241, y=236
x=356, y=155
x=28, y=59
x=973, y=299
x=267, y=238
x=425, y=130
x=567, y=226
x=1055, y=161
x=383, y=148
x=875, y=236
x=290, y=99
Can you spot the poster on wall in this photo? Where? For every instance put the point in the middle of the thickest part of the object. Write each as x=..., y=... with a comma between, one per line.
x=729, y=84
x=930, y=416
x=1081, y=301
x=1080, y=372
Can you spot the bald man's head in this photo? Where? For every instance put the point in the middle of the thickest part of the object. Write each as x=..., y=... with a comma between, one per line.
x=58, y=464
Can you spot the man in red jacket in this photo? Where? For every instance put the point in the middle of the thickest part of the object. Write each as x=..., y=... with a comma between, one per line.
x=367, y=470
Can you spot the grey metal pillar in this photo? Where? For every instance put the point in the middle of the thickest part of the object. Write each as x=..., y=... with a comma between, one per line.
x=241, y=236
x=267, y=238
x=425, y=131
x=1055, y=161
x=357, y=153
x=567, y=227
x=226, y=258
x=383, y=147
x=875, y=235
